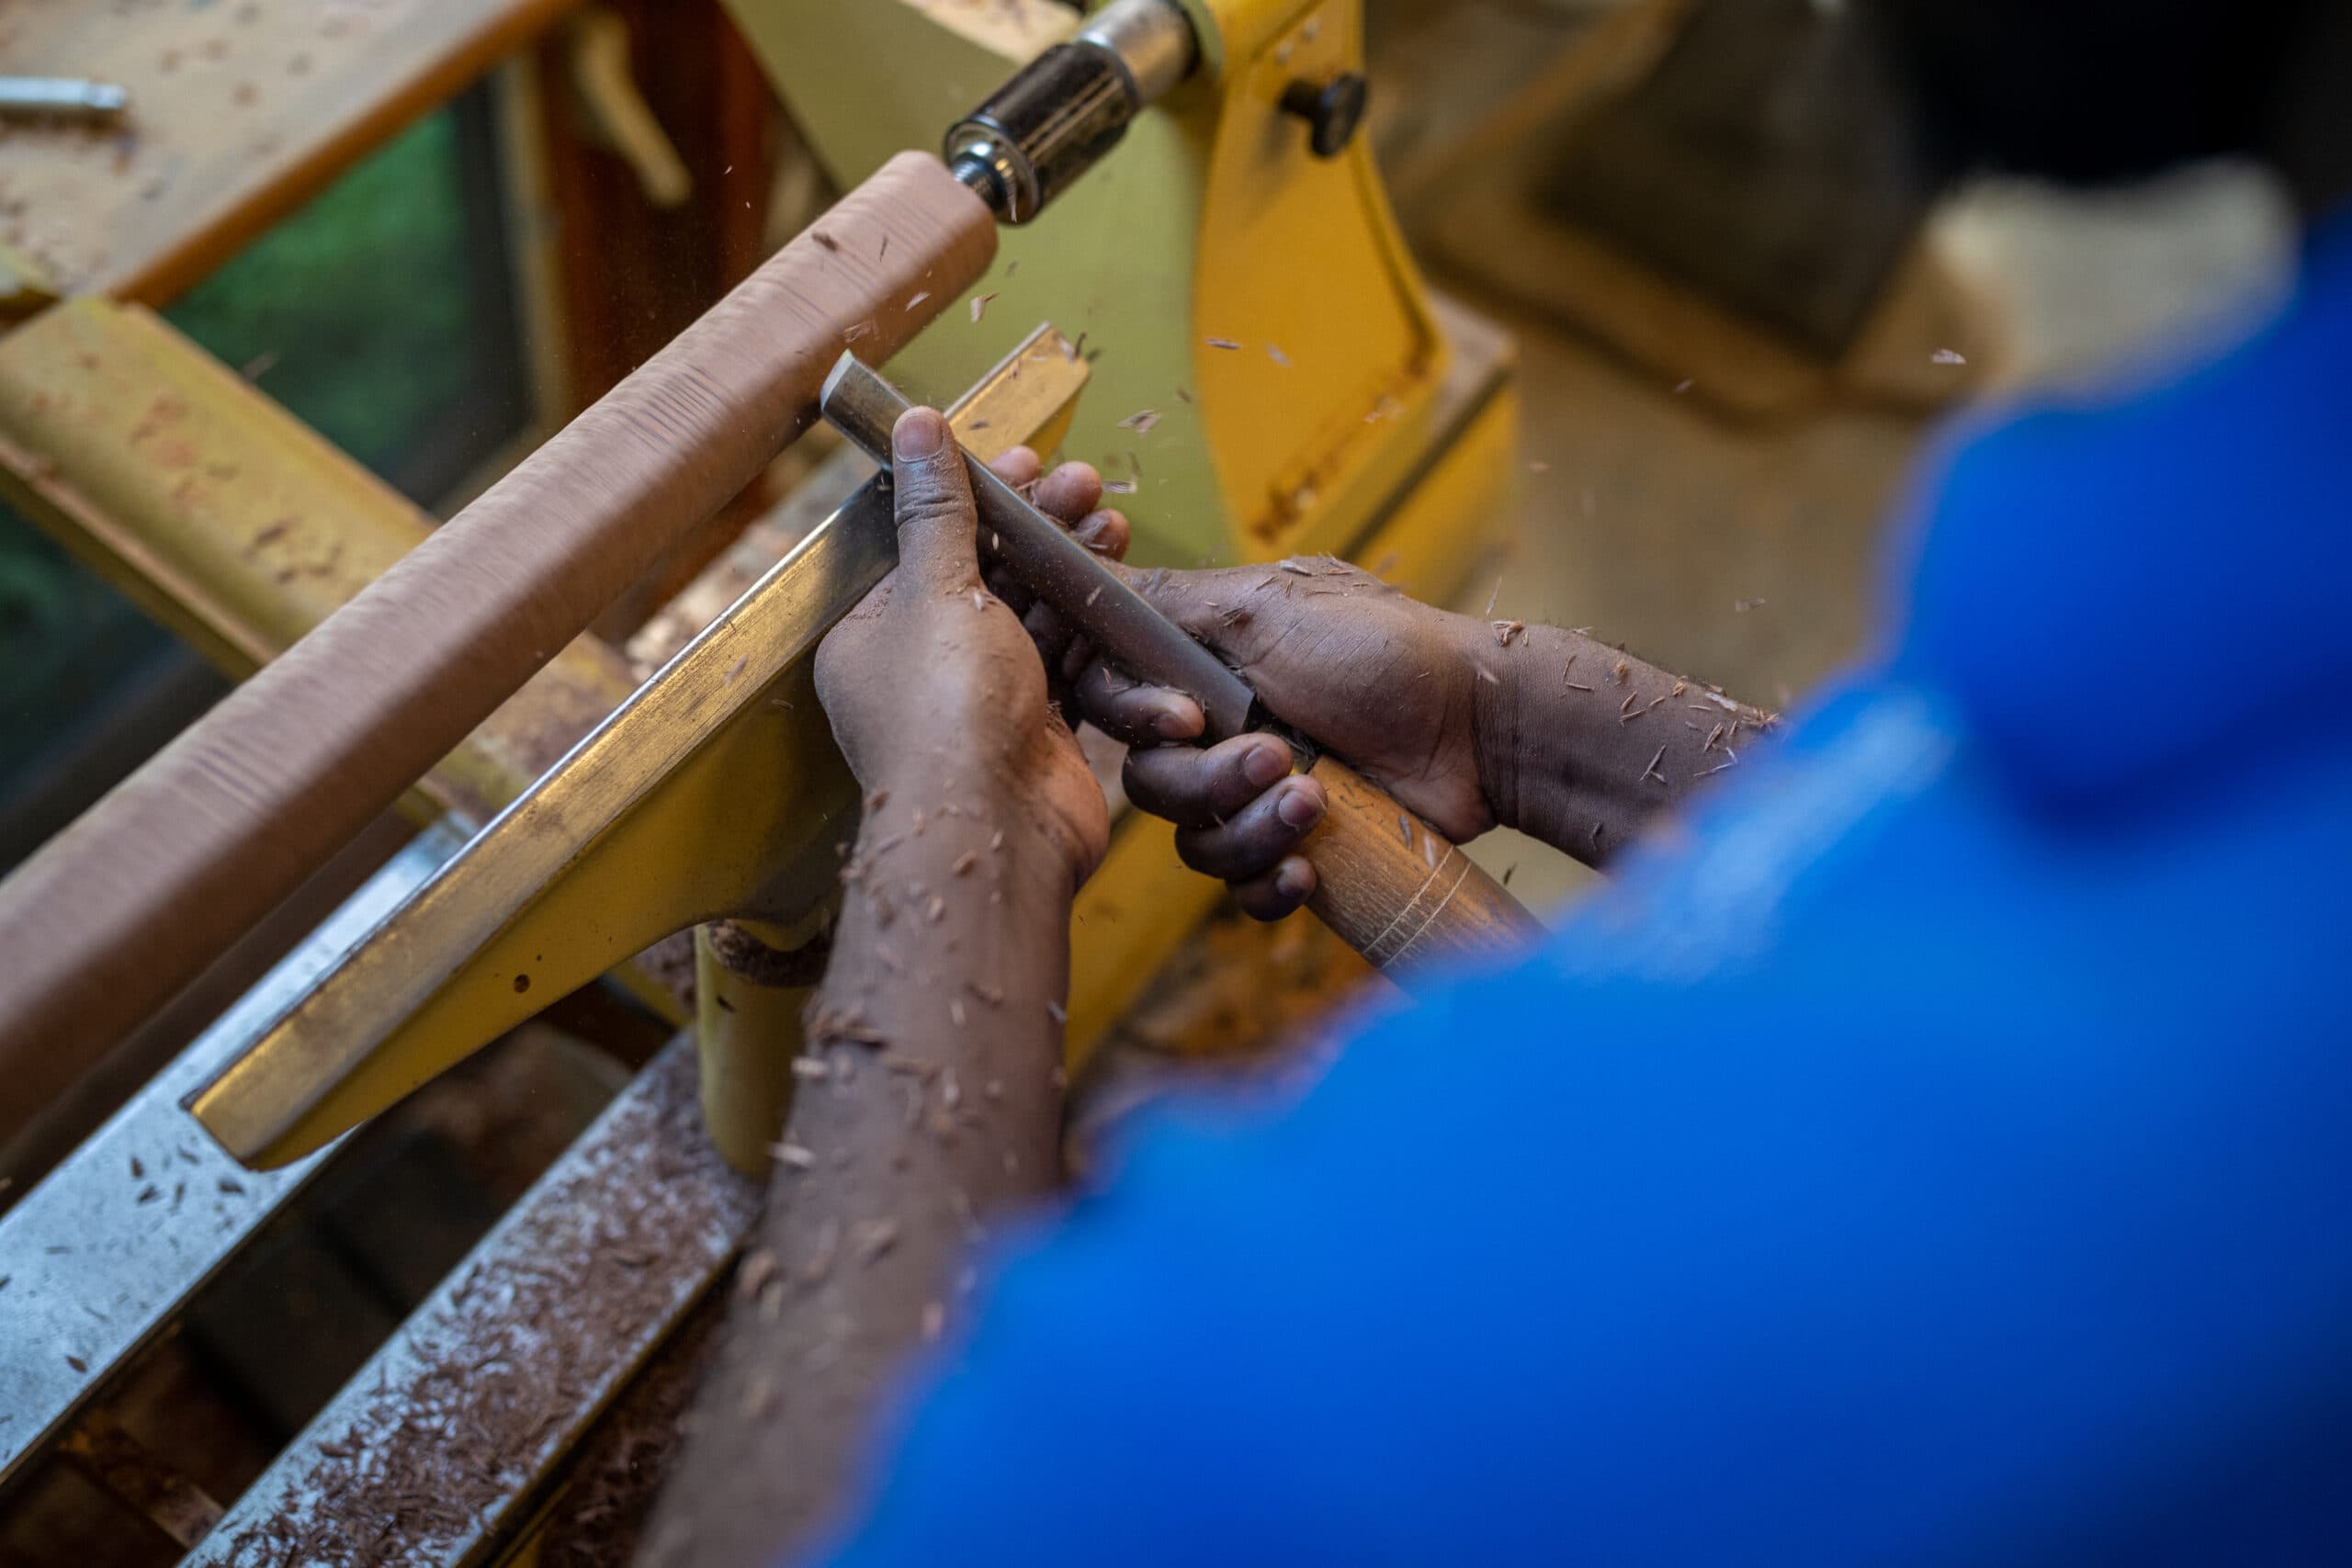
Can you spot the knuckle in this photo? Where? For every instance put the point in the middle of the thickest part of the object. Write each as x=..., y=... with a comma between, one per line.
x=931, y=507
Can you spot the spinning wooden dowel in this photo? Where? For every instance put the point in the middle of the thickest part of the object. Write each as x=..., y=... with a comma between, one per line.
x=112, y=918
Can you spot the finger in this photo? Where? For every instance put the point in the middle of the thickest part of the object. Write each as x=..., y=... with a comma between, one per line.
x=1070, y=493
x=1127, y=710
x=1256, y=841
x=1105, y=532
x=1006, y=584
x=1076, y=656
x=934, y=505
x=1048, y=631
x=1200, y=789
x=1018, y=466
x=1279, y=892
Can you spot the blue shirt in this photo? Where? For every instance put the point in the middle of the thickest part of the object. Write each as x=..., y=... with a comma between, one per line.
x=1944, y=1154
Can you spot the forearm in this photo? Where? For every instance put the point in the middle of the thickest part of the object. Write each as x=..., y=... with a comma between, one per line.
x=1582, y=745
x=930, y=1101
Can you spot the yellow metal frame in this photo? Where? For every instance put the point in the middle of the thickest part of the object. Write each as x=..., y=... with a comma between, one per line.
x=747, y=1033
x=1212, y=222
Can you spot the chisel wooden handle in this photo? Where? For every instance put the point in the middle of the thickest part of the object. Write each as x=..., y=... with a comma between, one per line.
x=1399, y=892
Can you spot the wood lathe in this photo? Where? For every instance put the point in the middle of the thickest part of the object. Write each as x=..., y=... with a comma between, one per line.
x=1265, y=375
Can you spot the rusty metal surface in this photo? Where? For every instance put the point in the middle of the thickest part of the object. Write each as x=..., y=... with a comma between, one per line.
x=439, y=1450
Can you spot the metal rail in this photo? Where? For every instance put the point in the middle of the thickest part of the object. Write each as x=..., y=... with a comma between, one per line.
x=108, y=1249
x=442, y=1446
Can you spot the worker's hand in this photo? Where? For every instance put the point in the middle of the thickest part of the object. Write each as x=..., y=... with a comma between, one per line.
x=1382, y=680
x=932, y=685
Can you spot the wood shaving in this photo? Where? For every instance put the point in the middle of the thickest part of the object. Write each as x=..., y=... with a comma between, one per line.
x=759, y=1268
x=821, y=1258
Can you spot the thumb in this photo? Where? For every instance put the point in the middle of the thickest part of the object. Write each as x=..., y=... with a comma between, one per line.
x=936, y=519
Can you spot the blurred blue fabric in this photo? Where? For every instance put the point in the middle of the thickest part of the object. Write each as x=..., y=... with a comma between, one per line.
x=1941, y=1154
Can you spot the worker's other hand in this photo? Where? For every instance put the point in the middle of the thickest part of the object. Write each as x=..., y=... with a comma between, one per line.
x=933, y=687
x=1387, y=683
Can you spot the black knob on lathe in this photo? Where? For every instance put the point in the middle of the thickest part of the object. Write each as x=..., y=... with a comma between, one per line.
x=1331, y=110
